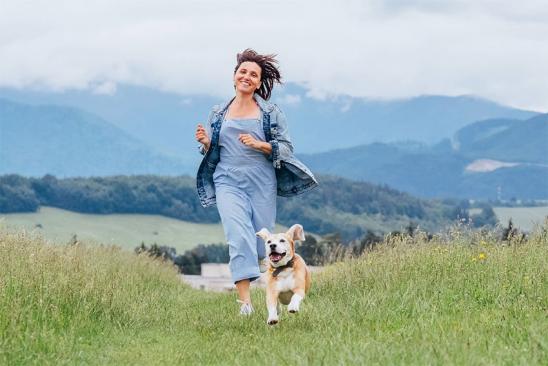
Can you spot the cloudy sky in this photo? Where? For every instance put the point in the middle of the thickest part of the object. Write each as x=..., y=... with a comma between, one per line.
x=369, y=48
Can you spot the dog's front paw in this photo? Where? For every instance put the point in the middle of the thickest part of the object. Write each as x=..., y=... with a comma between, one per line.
x=293, y=308
x=272, y=321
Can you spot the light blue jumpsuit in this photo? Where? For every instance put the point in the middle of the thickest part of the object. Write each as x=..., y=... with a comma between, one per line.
x=245, y=187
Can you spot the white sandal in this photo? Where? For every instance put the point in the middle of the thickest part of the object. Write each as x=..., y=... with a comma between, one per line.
x=245, y=308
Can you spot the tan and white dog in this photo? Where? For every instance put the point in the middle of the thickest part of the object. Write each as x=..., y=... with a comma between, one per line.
x=288, y=279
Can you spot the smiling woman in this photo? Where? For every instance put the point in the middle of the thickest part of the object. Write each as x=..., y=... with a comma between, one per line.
x=248, y=160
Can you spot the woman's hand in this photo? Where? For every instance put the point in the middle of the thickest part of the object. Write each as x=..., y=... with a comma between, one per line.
x=250, y=141
x=202, y=137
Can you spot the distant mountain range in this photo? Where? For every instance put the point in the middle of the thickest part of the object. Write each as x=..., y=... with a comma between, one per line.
x=143, y=131
x=505, y=139
x=486, y=160
x=166, y=121
x=64, y=141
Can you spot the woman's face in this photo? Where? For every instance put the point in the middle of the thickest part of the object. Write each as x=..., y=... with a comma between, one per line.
x=247, y=78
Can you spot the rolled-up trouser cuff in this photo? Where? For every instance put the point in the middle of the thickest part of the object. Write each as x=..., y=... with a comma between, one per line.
x=251, y=277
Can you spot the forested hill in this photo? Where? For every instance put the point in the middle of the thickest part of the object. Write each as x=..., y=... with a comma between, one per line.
x=338, y=205
x=505, y=140
x=491, y=159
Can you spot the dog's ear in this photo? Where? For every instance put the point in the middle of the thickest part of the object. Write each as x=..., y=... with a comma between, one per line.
x=296, y=232
x=263, y=233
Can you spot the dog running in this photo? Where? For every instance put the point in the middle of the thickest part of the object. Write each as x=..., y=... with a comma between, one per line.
x=288, y=278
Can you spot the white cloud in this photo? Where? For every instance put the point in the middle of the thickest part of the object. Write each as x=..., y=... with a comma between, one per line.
x=381, y=49
x=289, y=99
x=106, y=88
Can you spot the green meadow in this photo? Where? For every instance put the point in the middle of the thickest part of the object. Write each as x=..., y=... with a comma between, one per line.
x=124, y=230
x=523, y=217
x=461, y=298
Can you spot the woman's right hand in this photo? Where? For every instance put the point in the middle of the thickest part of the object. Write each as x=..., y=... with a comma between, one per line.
x=202, y=137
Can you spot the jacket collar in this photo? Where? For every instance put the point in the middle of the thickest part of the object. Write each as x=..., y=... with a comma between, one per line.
x=264, y=105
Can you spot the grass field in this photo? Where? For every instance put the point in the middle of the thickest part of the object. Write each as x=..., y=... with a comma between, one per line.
x=460, y=299
x=124, y=230
x=523, y=217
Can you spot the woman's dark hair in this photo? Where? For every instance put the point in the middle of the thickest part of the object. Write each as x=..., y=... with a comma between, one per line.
x=269, y=71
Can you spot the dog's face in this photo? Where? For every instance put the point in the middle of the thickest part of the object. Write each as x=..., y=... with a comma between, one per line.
x=280, y=248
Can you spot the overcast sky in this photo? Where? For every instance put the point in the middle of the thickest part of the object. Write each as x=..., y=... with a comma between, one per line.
x=370, y=48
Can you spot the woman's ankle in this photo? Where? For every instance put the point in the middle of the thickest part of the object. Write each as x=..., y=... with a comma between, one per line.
x=244, y=294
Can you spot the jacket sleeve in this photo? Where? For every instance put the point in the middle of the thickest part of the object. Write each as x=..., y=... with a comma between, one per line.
x=207, y=126
x=282, y=148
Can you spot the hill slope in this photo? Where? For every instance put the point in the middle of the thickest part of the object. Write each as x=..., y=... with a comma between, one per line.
x=506, y=140
x=408, y=302
x=445, y=170
x=38, y=140
x=124, y=230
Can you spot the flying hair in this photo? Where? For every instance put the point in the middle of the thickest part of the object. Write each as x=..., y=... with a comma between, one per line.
x=270, y=73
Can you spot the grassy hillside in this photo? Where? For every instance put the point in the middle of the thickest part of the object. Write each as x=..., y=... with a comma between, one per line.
x=460, y=299
x=124, y=230
x=523, y=217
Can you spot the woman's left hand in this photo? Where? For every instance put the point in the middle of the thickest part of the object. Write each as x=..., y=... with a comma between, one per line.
x=253, y=143
x=248, y=140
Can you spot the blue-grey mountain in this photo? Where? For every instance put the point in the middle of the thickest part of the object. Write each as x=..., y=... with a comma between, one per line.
x=141, y=130
x=166, y=121
x=505, y=140
x=493, y=159
x=39, y=140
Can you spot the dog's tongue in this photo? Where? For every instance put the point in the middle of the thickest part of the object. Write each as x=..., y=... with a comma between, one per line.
x=275, y=257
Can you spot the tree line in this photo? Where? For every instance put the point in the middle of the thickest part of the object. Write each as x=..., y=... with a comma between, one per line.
x=144, y=194
x=323, y=210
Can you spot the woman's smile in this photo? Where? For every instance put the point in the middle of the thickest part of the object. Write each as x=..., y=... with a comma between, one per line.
x=248, y=77
x=245, y=82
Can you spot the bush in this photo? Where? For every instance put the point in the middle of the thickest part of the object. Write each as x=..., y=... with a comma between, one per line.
x=487, y=217
x=17, y=195
x=191, y=261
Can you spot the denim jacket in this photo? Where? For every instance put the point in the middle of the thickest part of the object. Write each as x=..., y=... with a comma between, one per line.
x=292, y=176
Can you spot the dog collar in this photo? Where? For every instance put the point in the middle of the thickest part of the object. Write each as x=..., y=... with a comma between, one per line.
x=277, y=270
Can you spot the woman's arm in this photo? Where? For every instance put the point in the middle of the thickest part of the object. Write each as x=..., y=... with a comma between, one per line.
x=279, y=147
x=282, y=147
x=252, y=142
x=204, y=147
x=265, y=148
